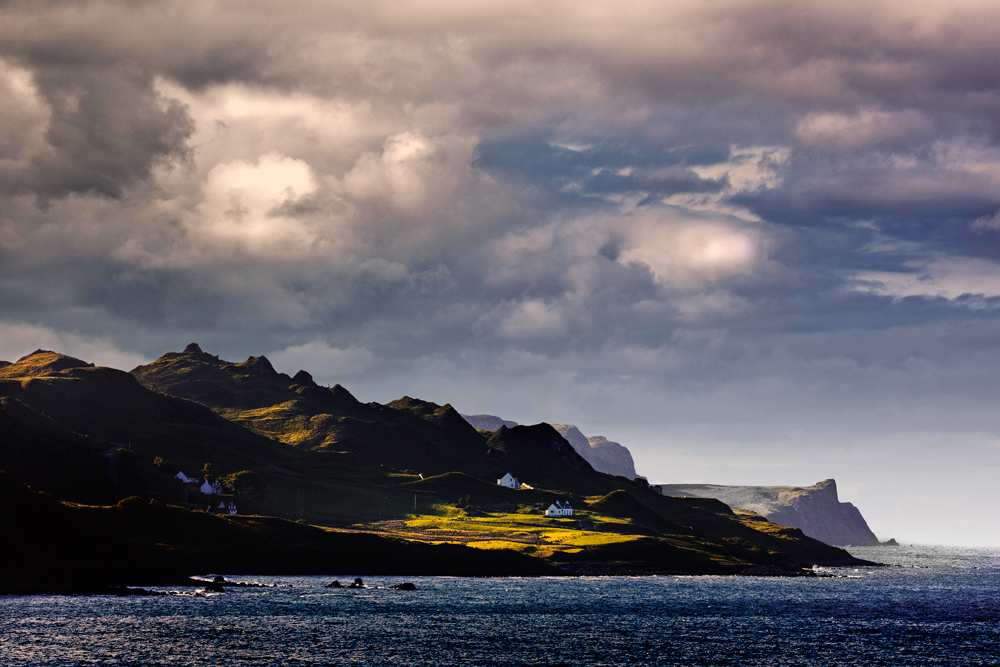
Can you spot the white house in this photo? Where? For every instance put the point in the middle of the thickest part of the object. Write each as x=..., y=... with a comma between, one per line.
x=559, y=509
x=211, y=488
x=184, y=478
x=509, y=481
x=229, y=507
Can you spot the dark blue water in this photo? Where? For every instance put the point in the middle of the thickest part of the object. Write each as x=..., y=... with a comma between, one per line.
x=936, y=606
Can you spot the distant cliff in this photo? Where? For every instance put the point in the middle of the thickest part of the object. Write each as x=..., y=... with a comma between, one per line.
x=603, y=454
x=816, y=510
x=488, y=422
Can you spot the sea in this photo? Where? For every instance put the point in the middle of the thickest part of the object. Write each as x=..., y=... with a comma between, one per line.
x=930, y=605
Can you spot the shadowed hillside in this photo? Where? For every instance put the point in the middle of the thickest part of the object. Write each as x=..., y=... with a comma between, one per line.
x=142, y=542
x=406, y=435
x=61, y=416
x=539, y=456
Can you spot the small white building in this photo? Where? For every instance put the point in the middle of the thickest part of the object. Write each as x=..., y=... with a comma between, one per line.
x=184, y=478
x=559, y=509
x=509, y=481
x=229, y=508
x=211, y=488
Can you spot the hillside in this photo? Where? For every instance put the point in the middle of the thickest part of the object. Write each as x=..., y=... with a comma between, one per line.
x=60, y=416
x=140, y=542
x=405, y=435
x=540, y=457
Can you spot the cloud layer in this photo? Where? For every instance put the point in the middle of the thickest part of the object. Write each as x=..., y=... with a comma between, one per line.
x=698, y=225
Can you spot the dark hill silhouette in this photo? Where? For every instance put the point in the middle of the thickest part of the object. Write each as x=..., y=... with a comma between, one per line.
x=60, y=394
x=406, y=435
x=540, y=457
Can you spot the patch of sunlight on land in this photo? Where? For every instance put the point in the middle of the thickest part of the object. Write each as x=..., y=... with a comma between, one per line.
x=527, y=533
x=502, y=544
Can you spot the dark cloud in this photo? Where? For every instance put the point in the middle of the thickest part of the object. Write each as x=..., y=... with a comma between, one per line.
x=107, y=131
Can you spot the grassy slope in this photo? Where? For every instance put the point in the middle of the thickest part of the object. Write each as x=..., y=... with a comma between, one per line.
x=53, y=545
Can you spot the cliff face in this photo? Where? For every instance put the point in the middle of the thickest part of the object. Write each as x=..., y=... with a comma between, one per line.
x=488, y=422
x=602, y=454
x=816, y=510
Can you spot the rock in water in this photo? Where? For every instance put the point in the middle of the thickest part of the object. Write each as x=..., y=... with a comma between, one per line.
x=406, y=586
x=815, y=510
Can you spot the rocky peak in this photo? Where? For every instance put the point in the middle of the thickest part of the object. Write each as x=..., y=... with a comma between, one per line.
x=260, y=365
x=43, y=362
x=193, y=348
x=303, y=377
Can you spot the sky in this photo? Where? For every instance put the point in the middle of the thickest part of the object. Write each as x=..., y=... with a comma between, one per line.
x=754, y=242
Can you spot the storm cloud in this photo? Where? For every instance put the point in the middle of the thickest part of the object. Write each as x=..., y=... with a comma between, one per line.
x=756, y=242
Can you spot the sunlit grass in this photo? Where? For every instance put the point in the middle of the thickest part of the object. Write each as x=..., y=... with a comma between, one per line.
x=525, y=532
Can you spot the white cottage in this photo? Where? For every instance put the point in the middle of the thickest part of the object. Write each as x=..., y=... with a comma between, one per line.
x=229, y=507
x=211, y=488
x=509, y=481
x=184, y=478
x=559, y=509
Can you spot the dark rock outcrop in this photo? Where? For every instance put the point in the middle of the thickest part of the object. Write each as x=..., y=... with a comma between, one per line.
x=815, y=510
x=405, y=586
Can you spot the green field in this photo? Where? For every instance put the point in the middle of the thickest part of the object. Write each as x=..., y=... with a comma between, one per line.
x=525, y=531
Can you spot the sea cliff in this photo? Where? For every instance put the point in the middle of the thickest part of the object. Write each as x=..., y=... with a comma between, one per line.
x=816, y=510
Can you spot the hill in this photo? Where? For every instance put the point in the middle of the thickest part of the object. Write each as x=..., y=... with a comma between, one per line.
x=405, y=435
x=540, y=457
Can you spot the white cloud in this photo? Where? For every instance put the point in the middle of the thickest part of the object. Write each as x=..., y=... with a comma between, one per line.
x=23, y=114
x=18, y=339
x=863, y=129
x=324, y=362
x=987, y=223
x=947, y=277
x=532, y=319
x=688, y=252
x=242, y=207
